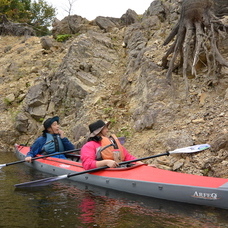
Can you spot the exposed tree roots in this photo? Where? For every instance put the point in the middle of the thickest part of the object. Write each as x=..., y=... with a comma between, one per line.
x=197, y=34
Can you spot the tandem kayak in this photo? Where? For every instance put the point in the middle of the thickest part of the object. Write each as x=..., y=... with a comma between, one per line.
x=140, y=179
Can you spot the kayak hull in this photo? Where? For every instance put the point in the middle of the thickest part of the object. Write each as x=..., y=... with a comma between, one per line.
x=141, y=180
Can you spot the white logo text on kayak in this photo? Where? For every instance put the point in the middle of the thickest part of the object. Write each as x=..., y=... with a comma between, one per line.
x=204, y=195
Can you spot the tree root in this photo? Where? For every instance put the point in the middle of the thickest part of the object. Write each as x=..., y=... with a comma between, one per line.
x=197, y=34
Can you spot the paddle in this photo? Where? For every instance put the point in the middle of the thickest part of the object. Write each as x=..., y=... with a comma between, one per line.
x=46, y=181
x=44, y=156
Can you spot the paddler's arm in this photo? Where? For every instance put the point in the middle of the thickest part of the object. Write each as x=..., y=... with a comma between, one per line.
x=35, y=148
x=129, y=157
x=109, y=163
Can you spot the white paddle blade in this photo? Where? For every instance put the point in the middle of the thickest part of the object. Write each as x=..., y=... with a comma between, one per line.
x=191, y=149
x=2, y=165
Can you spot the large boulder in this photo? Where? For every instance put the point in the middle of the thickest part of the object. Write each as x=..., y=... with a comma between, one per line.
x=130, y=17
x=69, y=25
x=107, y=23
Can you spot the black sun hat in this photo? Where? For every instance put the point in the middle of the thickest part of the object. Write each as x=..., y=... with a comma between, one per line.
x=50, y=121
x=96, y=127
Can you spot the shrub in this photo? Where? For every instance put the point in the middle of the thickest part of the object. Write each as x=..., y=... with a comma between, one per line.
x=63, y=38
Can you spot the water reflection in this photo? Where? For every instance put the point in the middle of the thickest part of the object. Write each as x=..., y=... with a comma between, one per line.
x=109, y=208
x=70, y=204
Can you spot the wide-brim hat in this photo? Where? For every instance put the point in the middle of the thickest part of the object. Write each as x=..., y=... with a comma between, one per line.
x=50, y=121
x=96, y=127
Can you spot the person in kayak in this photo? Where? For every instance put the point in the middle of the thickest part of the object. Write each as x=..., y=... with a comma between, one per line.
x=52, y=140
x=101, y=150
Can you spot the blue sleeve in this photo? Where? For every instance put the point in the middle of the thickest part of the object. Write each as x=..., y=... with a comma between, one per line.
x=67, y=144
x=36, y=147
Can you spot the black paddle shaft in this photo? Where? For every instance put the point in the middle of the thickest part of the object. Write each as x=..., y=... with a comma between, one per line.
x=44, y=156
x=121, y=163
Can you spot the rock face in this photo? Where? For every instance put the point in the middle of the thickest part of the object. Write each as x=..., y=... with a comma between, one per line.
x=14, y=29
x=110, y=69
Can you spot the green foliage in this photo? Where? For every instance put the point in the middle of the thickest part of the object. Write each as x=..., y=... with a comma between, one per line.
x=38, y=13
x=63, y=38
x=42, y=16
x=41, y=120
x=108, y=110
x=206, y=171
x=27, y=84
x=112, y=120
x=125, y=132
x=15, y=10
x=7, y=101
x=3, y=4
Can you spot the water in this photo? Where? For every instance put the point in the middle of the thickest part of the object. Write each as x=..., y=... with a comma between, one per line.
x=70, y=204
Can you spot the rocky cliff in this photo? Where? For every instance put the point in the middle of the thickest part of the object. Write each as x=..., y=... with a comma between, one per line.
x=110, y=69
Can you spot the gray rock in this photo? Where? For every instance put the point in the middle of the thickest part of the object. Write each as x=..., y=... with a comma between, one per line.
x=107, y=23
x=46, y=42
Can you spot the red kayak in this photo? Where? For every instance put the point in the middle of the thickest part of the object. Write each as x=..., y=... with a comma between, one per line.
x=140, y=179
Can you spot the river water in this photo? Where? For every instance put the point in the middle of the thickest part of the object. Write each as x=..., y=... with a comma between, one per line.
x=70, y=204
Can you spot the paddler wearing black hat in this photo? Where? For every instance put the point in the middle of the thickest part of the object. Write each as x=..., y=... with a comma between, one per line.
x=101, y=150
x=52, y=141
